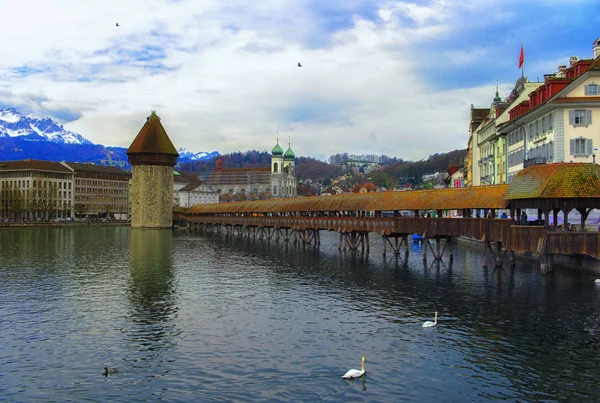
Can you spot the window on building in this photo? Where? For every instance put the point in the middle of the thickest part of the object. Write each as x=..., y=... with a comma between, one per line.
x=274, y=189
x=581, y=147
x=591, y=89
x=580, y=117
x=275, y=166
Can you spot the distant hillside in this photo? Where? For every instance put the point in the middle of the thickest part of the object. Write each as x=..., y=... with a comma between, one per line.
x=411, y=172
x=310, y=168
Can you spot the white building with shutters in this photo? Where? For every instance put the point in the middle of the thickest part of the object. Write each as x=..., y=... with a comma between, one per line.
x=561, y=120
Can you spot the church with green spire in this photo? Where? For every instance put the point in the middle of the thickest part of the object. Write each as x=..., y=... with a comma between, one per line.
x=283, y=172
x=279, y=181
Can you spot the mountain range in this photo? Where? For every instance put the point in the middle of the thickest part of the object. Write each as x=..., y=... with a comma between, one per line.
x=24, y=137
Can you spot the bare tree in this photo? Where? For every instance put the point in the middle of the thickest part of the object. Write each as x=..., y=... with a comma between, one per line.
x=79, y=209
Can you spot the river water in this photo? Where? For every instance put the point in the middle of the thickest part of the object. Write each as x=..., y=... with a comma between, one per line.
x=205, y=317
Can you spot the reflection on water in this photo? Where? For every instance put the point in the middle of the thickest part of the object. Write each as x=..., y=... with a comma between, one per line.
x=151, y=293
x=191, y=317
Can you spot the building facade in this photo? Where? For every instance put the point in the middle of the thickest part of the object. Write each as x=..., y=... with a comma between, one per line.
x=278, y=181
x=100, y=191
x=283, y=176
x=490, y=147
x=560, y=122
x=478, y=115
x=34, y=190
x=189, y=191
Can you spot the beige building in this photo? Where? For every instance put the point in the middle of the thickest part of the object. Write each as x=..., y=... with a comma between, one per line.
x=561, y=119
x=35, y=190
x=100, y=191
x=478, y=115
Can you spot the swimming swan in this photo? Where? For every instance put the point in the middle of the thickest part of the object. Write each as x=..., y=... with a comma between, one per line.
x=355, y=373
x=430, y=323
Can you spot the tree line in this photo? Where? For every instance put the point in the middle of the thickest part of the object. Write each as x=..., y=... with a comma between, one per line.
x=41, y=201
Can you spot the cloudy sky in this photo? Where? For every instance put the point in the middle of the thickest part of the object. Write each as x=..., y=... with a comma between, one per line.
x=381, y=77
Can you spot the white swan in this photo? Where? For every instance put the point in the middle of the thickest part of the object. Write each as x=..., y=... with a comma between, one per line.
x=355, y=373
x=430, y=323
x=597, y=281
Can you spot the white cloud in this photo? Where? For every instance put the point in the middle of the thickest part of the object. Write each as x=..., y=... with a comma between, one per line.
x=228, y=79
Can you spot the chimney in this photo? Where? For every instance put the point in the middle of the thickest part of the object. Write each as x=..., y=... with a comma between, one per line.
x=596, y=48
x=573, y=60
x=562, y=71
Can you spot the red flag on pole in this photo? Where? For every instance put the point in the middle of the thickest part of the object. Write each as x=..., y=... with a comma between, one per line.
x=521, y=56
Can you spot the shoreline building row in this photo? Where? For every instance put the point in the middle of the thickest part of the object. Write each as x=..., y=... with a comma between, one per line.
x=556, y=120
x=42, y=190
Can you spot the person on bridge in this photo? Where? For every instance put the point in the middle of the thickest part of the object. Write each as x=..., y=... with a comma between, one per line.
x=523, y=218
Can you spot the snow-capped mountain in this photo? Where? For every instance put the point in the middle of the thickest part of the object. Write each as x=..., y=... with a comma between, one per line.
x=45, y=139
x=190, y=156
x=13, y=124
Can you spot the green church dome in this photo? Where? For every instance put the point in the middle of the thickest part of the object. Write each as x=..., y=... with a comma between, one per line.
x=277, y=150
x=289, y=153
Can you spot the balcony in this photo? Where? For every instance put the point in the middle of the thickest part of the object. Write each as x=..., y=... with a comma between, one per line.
x=534, y=161
x=483, y=160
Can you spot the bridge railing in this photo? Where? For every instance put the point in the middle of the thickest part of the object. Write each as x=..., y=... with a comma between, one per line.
x=529, y=238
x=585, y=243
x=493, y=229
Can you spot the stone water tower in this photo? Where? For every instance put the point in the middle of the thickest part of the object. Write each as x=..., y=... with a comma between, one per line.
x=152, y=156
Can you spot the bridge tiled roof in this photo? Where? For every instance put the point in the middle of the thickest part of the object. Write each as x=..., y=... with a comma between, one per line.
x=483, y=197
x=562, y=180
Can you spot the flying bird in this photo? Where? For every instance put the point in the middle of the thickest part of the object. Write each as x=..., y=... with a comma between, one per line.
x=299, y=64
x=118, y=24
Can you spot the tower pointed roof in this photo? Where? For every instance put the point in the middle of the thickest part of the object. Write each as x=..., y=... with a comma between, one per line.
x=497, y=98
x=289, y=154
x=152, y=145
x=277, y=150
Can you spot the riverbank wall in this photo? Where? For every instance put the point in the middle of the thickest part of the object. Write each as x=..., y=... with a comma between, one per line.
x=50, y=224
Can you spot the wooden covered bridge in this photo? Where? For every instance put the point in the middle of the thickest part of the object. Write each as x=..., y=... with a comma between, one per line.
x=436, y=215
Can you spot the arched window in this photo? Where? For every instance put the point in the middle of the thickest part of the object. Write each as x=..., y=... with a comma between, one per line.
x=230, y=191
x=275, y=168
x=274, y=189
